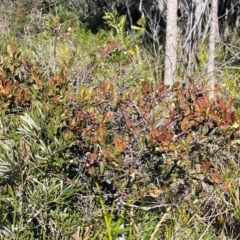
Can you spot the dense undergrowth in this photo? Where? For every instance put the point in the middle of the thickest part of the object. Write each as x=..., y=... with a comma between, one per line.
x=94, y=146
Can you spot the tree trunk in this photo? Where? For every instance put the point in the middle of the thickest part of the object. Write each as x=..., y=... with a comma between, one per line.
x=171, y=43
x=194, y=30
x=212, y=41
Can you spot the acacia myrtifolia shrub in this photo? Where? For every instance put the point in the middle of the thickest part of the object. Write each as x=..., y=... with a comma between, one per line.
x=144, y=146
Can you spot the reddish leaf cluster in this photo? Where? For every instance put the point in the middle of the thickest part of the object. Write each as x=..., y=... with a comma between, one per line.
x=161, y=133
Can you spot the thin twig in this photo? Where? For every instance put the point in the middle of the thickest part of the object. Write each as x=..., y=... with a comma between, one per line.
x=159, y=223
x=151, y=207
x=144, y=120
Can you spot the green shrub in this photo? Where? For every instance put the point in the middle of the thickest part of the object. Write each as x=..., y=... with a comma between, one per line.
x=78, y=158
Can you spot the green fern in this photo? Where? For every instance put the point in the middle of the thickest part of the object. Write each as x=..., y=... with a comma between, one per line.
x=115, y=21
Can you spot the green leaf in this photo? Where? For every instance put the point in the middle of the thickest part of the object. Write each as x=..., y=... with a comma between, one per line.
x=101, y=167
x=137, y=28
x=31, y=123
x=70, y=62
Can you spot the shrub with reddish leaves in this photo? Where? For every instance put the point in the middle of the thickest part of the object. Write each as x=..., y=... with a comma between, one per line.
x=145, y=146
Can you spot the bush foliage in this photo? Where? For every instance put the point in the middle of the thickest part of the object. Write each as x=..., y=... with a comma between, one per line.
x=73, y=155
x=94, y=146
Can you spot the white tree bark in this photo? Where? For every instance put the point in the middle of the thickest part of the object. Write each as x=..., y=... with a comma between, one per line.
x=212, y=41
x=194, y=31
x=171, y=43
